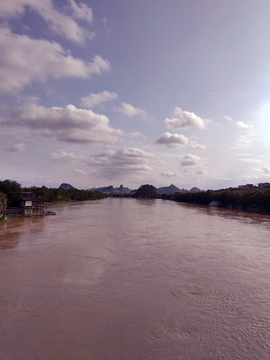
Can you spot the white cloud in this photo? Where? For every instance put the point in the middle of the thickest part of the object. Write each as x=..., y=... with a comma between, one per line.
x=173, y=140
x=136, y=134
x=256, y=161
x=238, y=124
x=169, y=174
x=122, y=162
x=242, y=125
x=58, y=22
x=184, y=119
x=130, y=111
x=227, y=118
x=40, y=178
x=194, y=145
x=81, y=11
x=106, y=26
x=65, y=124
x=189, y=160
x=111, y=163
x=249, y=179
x=92, y=100
x=202, y=172
x=79, y=171
x=69, y=158
x=266, y=170
x=13, y=8
x=17, y=148
x=177, y=141
x=193, y=166
x=246, y=137
x=24, y=60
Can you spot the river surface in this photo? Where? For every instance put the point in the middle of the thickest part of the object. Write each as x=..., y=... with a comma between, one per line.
x=129, y=279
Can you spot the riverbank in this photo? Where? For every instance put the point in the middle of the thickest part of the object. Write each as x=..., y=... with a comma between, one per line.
x=251, y=201
x=10, y=213
x=7, y=219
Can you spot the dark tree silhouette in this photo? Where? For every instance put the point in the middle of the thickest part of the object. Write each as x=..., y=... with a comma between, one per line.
x=3, y=201
x=13, y=191
x=146, y=192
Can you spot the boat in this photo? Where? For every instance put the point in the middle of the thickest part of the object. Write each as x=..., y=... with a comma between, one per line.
x=216, y=204
x=49, y=213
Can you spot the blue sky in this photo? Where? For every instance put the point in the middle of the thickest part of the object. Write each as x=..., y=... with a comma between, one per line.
x=99, y=93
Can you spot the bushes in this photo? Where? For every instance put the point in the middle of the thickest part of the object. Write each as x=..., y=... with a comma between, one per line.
x=12, y=190
x=59, y=195
x=3, y=201
x=146, y=192
x=258, y=200
x=11, y=194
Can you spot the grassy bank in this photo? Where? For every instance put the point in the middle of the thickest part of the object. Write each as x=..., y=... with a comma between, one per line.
x=7, y=219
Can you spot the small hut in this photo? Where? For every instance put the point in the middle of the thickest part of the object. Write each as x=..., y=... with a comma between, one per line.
x=31, y=205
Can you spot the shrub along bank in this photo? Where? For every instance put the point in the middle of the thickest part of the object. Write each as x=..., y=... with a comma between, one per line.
x=257, y=201
x=52, y=195
x=11, y=193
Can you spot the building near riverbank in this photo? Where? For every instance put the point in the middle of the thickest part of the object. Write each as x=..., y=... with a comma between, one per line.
x=31, y=205
x=248, y=187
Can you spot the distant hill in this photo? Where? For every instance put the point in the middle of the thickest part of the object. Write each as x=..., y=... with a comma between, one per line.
x=194, y=190
x=172, y=189
x=146, y=192
x=169, y=190
x=66, y=186
x=111, y=190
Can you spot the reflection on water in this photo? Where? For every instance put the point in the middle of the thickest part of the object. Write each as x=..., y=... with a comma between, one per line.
x=135, y=279
x=9, y=240
x=146, y=202
x=242, y=216
x=10, y=233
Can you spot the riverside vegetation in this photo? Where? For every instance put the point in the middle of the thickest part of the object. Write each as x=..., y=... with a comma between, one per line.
x=59, y=195
x=11, y=193
x=257, y=201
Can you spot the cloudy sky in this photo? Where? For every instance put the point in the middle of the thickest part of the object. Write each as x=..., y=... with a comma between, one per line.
x=103, y=92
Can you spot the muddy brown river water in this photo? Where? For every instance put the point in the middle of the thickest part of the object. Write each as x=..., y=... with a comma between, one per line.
x=129, y=279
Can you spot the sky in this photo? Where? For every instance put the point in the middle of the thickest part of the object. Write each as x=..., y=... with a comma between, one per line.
x=98, y=93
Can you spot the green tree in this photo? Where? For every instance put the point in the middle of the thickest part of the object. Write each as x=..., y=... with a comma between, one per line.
x=3, y=201
x=13, y=191
x=146, y=192
x=60, y=195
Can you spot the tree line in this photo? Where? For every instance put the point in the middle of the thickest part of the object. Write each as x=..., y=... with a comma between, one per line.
x=3, y=201
x=256, y=200
x=52, y=195
x=11, y=193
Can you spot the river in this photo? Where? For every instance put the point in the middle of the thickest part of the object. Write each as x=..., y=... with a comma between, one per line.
x=129, y=279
